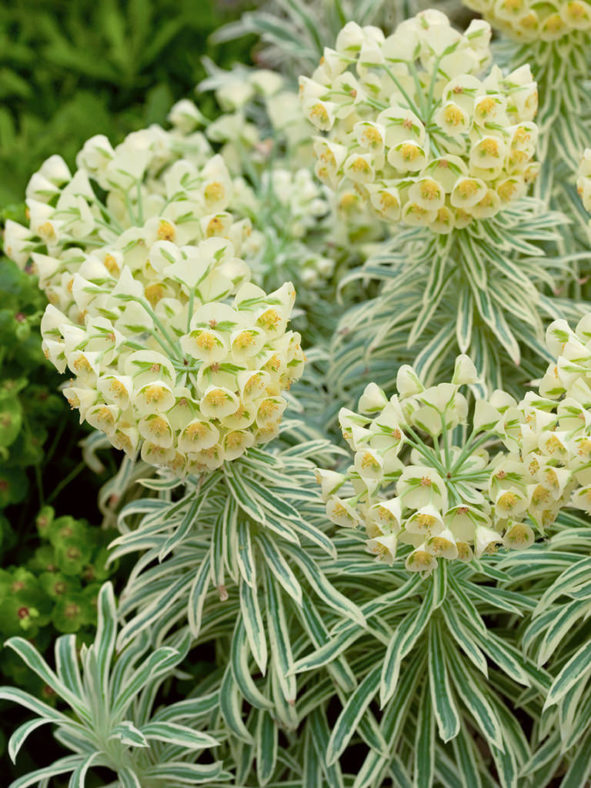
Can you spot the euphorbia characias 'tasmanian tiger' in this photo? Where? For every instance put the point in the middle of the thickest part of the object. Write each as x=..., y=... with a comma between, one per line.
x=166, y=263
x=413, y=123
x=456, y=481
x=195, y=380
x=151, y=309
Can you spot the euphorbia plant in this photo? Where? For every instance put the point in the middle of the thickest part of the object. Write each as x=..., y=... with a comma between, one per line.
x=435, y=139
x=414, y=612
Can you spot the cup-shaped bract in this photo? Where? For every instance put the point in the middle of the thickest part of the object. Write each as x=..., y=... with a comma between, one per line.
x=418, y=126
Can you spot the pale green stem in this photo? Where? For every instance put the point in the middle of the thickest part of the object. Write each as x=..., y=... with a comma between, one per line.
x=423, y=449
x=411, y=103
x=445, y=436
x=173, y=348
x=140, y=204
x=468, y=449
x=419, y=89
x=130, y=213
x=191, y=308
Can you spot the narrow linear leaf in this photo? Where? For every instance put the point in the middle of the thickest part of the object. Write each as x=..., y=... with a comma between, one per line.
x=279, y=567
x=404, y=638
x=267, y=747
x=468, y=688
x=231, y=708
x=279, y=639
x=424, y=756
x=348, y=720
x=197, y=594
x=253, y=622
x=576, y=670
x=446, y=714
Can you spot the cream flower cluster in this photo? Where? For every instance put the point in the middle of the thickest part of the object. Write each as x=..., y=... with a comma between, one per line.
x=566, y=388
x=170, y=185
x=584, y=182
x=195, y=374
x=156, y=185
x=515, y=467
x=530, y=20
x=413, y=125
x=261, y=118
x=411, y=483
x=150, y=304
x=537, y=471
x=548, y=434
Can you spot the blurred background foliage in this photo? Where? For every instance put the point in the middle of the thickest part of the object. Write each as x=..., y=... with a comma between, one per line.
x=69, y=70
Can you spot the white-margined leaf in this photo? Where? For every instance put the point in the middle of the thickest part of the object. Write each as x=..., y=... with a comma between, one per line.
x=239, y=654
x=279, y=567
x=128, y=734
x=197, y=594
x=19, y=736
x=348, y=720
x=279, y=640
x=322, y=586
x=188, y=773
x=442, y=699
x=405, y=636
x=475, y=699
x=577, y=669
x=61, y=766
x=267, y=746
x=253, y=622
x=424, y=750
x=33, y=659
x=182, y=735
x=231, y=707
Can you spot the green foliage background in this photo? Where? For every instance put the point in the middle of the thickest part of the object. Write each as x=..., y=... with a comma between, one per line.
x=69, y=70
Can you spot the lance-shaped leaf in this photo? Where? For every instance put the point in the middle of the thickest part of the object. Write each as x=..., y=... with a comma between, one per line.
x=442, y=699
x=354, y=709
x=253, y=623
x=576, y=670
x=177, y=734
x=406, y=635
x=424, y=754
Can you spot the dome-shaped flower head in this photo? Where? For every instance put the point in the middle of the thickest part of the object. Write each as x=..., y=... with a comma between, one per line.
x=176, y=352
x=431, y=471
x=418, y=126
x=156, y=185
x=549, y=433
